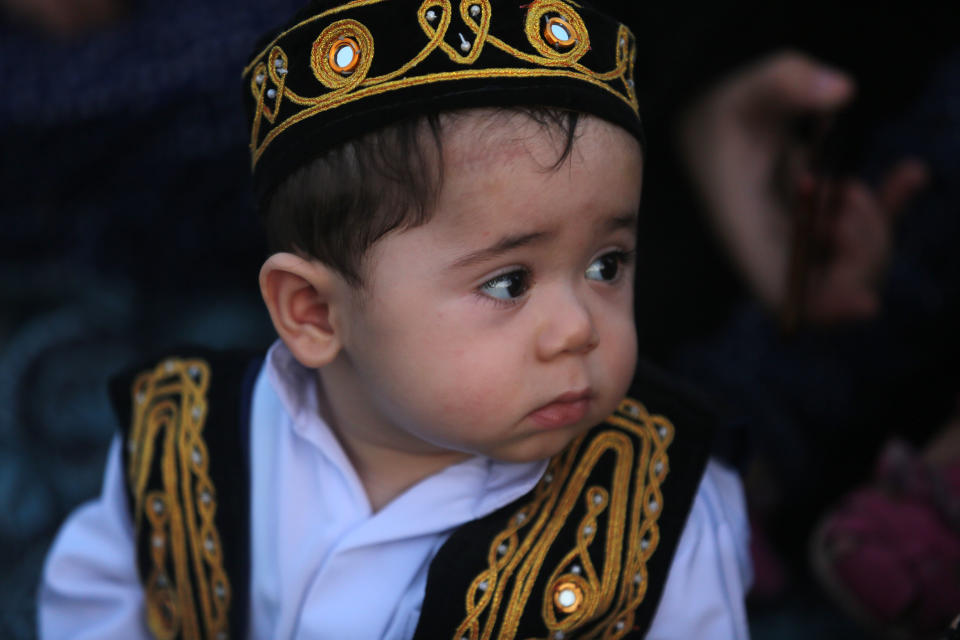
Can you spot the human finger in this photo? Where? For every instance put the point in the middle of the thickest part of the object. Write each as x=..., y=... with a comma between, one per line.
x=901, y=184
x=793, y=82
x=841, y=296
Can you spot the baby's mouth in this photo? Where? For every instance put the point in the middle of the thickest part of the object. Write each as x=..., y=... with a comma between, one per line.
x=564, y=410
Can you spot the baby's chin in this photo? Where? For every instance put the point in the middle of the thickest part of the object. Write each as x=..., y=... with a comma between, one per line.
x=541, y=446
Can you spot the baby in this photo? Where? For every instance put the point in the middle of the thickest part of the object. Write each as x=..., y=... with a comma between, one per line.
x=441, y=442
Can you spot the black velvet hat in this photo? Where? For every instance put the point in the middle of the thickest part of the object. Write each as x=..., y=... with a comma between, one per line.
x=341, y=69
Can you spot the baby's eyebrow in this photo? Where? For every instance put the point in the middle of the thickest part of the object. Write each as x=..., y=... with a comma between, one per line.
x=509, y=242
x=501, y=246
x=626, y=221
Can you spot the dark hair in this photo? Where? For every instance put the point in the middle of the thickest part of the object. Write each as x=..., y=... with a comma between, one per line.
x=337, y=206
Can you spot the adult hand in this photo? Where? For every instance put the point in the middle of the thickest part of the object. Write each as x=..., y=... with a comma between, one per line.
x=855, y=238
x=739, y=145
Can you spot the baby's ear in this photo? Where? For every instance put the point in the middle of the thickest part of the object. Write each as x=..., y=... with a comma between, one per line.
x=301, y=296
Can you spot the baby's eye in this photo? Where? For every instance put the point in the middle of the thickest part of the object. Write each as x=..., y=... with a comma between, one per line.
x=607, y=267
x=507, y=286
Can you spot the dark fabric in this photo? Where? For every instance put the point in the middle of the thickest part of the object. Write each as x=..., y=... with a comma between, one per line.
x=465, y=555
x=953, y=633
x=225, y=433
x=399, y=38
x=695, y=422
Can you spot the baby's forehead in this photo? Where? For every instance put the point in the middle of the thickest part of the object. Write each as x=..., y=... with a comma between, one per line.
x=476, y=140
x=519, y=163
x=479, y=138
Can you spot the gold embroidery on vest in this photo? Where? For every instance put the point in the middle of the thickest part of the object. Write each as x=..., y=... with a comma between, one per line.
x=357, y=85
x=166, y=446
x=596, y=602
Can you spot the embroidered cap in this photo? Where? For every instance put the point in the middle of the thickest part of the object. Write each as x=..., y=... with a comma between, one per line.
x=338, y=70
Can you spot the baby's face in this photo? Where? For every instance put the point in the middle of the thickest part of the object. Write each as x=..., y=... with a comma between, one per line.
x=504, y=326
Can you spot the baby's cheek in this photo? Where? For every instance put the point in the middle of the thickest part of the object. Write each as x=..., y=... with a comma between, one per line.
x=480, y=383
x=477, y=392
x=621, y=352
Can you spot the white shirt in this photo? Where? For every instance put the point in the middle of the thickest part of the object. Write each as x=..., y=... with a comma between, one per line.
x=323, y=565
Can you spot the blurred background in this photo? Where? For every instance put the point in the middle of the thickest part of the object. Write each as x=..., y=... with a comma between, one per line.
x=128, y=227
x=798, y=262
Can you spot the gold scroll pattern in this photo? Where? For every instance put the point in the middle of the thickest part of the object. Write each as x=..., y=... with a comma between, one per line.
x=173, y=496
x=631, y=504
x=267, y=78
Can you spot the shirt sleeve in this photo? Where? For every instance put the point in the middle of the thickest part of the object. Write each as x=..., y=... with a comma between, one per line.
x=90, y=587
x=711, y=573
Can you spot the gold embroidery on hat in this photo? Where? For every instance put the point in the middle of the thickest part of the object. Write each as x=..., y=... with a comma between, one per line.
x=479, y=31
x=568, y=595
x=350, y=46
x=276, y=61
x=605, y=596
x=358, y=85
x=627, y=59
x=267, y=85
x=550, y=29
x=169, y=413
x=258, y=80
x=539, y=15
x=327, y=42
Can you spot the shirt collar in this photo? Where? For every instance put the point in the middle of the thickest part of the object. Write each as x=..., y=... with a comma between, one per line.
x=492, y=484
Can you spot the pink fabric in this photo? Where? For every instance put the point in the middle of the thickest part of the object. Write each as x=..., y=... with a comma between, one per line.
x=892, y=549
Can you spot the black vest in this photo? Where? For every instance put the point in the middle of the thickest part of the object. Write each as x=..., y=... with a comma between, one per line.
x=585, y=554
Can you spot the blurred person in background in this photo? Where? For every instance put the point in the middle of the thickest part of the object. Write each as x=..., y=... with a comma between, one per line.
x=804, y=195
